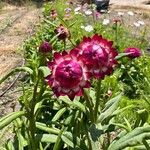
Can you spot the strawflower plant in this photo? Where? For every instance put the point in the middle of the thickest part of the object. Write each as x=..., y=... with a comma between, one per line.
x=76, y=91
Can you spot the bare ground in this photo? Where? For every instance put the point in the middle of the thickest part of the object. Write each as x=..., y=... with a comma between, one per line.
x=16, y=24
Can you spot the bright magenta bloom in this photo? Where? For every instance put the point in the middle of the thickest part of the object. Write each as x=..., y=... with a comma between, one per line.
x=97, y=54
x=68, y=75
x=133, y=52
x=45, y=47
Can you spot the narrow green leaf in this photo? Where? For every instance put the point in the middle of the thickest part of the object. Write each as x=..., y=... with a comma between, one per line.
x=132, y=138
x=95, y=134
x=44, y=127
x=26, y=69
x=58, y=144
x=68, y=138
x=59, y=114
x=46, y=138
x=110, y=107
x=45, y=70
x=72, y=24
x=49, y=22
x=79, y=105
x=9, y=118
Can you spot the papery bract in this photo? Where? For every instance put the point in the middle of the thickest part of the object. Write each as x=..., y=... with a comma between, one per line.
x=133, y=52
x=68, y=75
x=97, y=54
x=62, y=32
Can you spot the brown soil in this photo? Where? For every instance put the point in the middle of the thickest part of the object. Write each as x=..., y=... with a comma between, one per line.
x=16, y=25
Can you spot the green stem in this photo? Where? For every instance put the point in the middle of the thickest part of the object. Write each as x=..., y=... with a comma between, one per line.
x=89, y=105
x=98, y=88
x=89, y=140
x=32, y=121
x=64, y=44
x=146, y=144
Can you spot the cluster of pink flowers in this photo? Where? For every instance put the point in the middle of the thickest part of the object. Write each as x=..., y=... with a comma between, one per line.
x=94, y=57
x=71, y=71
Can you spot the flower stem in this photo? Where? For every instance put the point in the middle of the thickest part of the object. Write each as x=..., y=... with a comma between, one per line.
x=89, y=105
x=32, y=125
x=98, y=87
x=146, y=144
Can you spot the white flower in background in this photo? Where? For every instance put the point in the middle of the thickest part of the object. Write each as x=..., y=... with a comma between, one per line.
x=88, y=12
x=106, y=21
x=141, y=22
x=77, y=9
x=68, y=9
x=82, y=27
x=120, y=13
x=76, y=12
x=88, y=28
x=130, y=13
x=94, y=6
x=136, y=24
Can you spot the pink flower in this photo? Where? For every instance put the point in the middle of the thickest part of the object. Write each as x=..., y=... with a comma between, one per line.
x=68, y=75
x=133, y=52
x=45, y=47
x=53, y=14
x=97, y=54
x=62, y=31
x=97, y=14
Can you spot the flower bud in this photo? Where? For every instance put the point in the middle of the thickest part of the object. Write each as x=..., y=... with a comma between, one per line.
x=133, y=52
x=62, y=32
x=45, y=47
x=53, y=14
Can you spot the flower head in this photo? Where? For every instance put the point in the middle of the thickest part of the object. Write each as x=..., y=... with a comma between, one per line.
x=97, y=54
x=88, y=12
x=62, y=32
x=133, y=52
x=97, y=14
x=120, y=13
x=53, y=14
x=88, y=28
x=68, y=75
x=130, y=13
x=45, y=47
x=106, y=21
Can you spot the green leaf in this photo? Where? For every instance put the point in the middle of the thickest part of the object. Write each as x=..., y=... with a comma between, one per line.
x=9, y=145
x=25, y=69
x=72, y=24
x=79, y=105
x=45, y=128
x=37, y=106
x=132, y=138
x=46, y=138
x=58, y=145
x=49, y=22
x=109, y=109
x=9, y=118
x=45, y=70
x=74, y=103
x=69, y=138
x=59, y=114
x=95, y=134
